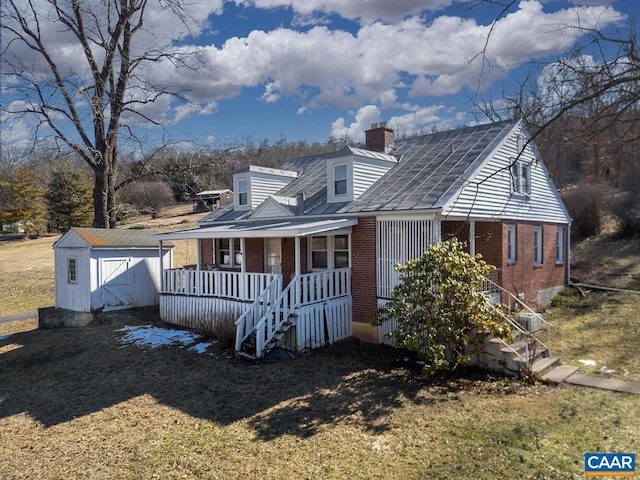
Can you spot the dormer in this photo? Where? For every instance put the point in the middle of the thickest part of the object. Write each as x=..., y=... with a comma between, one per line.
x=252, y=185
x=351, y=171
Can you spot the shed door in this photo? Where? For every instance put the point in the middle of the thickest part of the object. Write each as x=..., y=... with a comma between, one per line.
x=115, y=283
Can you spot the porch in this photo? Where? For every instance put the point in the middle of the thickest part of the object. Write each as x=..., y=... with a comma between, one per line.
x=313, y=309
x=304, y=301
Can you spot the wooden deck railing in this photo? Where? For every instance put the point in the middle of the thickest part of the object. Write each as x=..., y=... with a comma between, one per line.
x=204, y=283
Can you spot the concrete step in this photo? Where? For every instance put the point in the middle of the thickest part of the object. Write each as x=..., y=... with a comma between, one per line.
x=545, y=364
x=559, y=374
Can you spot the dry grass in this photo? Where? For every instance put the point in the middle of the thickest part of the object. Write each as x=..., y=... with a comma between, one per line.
x=74, y=403
x=26, y=265
x=26, y=275
x=601, y=326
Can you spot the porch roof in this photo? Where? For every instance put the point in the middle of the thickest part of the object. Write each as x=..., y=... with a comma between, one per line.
x=290, y=228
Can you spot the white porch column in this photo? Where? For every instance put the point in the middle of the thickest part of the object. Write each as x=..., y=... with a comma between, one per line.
x=472, y=238
x=161, y=269
x=243, y=263
x=198, y=254
x=298, y=260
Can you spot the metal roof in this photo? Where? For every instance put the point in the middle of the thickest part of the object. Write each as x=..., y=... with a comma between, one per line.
x=261, y=229
x=432, y=168
x=428, y=171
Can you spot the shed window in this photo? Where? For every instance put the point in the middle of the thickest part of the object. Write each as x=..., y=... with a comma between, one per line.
x=72, y=270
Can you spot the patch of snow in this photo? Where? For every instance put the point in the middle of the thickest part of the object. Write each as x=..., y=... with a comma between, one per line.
x=588, y=363
x=4, y=337
x=201, y=347
x=154, y=337
x=604, y=369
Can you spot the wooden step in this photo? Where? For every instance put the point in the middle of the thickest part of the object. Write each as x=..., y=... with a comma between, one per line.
x=246, y=356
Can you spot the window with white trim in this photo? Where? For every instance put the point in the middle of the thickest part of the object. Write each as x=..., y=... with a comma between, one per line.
x=319, y=248
x=511, y=244
x=329, y=252
x=340, y=173
x=243, y=192
x=537, y=245
x=72, y=270
x=228, y=252
x=560, y=245
x=521, y=177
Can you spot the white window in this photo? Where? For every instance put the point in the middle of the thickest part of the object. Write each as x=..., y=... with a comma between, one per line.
x=560, y=245
x=319, y=249
x=329, y=252
x=228, y=252
x=341, y=251
x=537, y=245
x=511, y=244
x=521, y=177
x=243, y=192
x=72, y=270
x=340, y=180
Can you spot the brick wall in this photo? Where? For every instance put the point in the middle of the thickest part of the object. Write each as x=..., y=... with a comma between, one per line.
x=206, y=251
x=363, y=270
x=522, y=276
x=254, y=255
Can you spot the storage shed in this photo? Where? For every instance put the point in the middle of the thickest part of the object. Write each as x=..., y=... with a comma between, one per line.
x=105, y=269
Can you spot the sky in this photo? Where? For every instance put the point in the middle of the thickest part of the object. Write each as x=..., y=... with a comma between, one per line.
x=311, y=69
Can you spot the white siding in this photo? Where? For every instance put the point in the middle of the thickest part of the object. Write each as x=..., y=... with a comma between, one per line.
x=72, y=296
x=366, y=171
x=488, y=192
x=262, y=186
x=144, y=275
x=400, y=240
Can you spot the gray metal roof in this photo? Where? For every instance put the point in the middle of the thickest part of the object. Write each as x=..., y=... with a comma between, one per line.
x=432, y=168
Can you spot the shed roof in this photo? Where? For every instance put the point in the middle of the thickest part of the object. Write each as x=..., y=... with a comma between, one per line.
x=112, y=238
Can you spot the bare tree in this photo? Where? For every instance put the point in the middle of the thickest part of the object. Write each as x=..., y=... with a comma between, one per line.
x=89, y=102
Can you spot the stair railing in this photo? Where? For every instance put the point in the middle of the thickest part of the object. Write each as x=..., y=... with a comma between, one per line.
x=273, y=319
x=262, y=304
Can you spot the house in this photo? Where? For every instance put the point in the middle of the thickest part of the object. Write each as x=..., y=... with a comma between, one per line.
x=100, y=269
x=211, y=199
x=305, y=254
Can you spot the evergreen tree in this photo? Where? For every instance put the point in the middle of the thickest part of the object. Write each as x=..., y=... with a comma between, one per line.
x=21, y=205
x=69, y=199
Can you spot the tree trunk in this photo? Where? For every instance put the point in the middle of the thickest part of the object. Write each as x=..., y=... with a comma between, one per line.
x=100, y=204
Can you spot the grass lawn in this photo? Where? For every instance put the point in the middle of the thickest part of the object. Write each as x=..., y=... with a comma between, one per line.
x=78, y=403
x=601, y=327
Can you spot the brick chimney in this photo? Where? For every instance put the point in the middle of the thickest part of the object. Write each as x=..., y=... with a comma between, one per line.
x=379, y=138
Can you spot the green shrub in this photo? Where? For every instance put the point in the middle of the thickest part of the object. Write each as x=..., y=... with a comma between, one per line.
x=438, y=307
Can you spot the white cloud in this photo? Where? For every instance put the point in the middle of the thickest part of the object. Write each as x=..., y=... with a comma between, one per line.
x=322, y=67
x=367, y=10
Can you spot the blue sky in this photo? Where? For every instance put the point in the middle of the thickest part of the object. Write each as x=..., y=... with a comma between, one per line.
x=308, y=69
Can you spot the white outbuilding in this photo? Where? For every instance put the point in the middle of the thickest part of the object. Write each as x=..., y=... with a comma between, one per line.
x=100, y=269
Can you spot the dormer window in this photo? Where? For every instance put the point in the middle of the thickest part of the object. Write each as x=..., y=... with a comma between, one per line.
x=340, y=179
x=243, y=192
